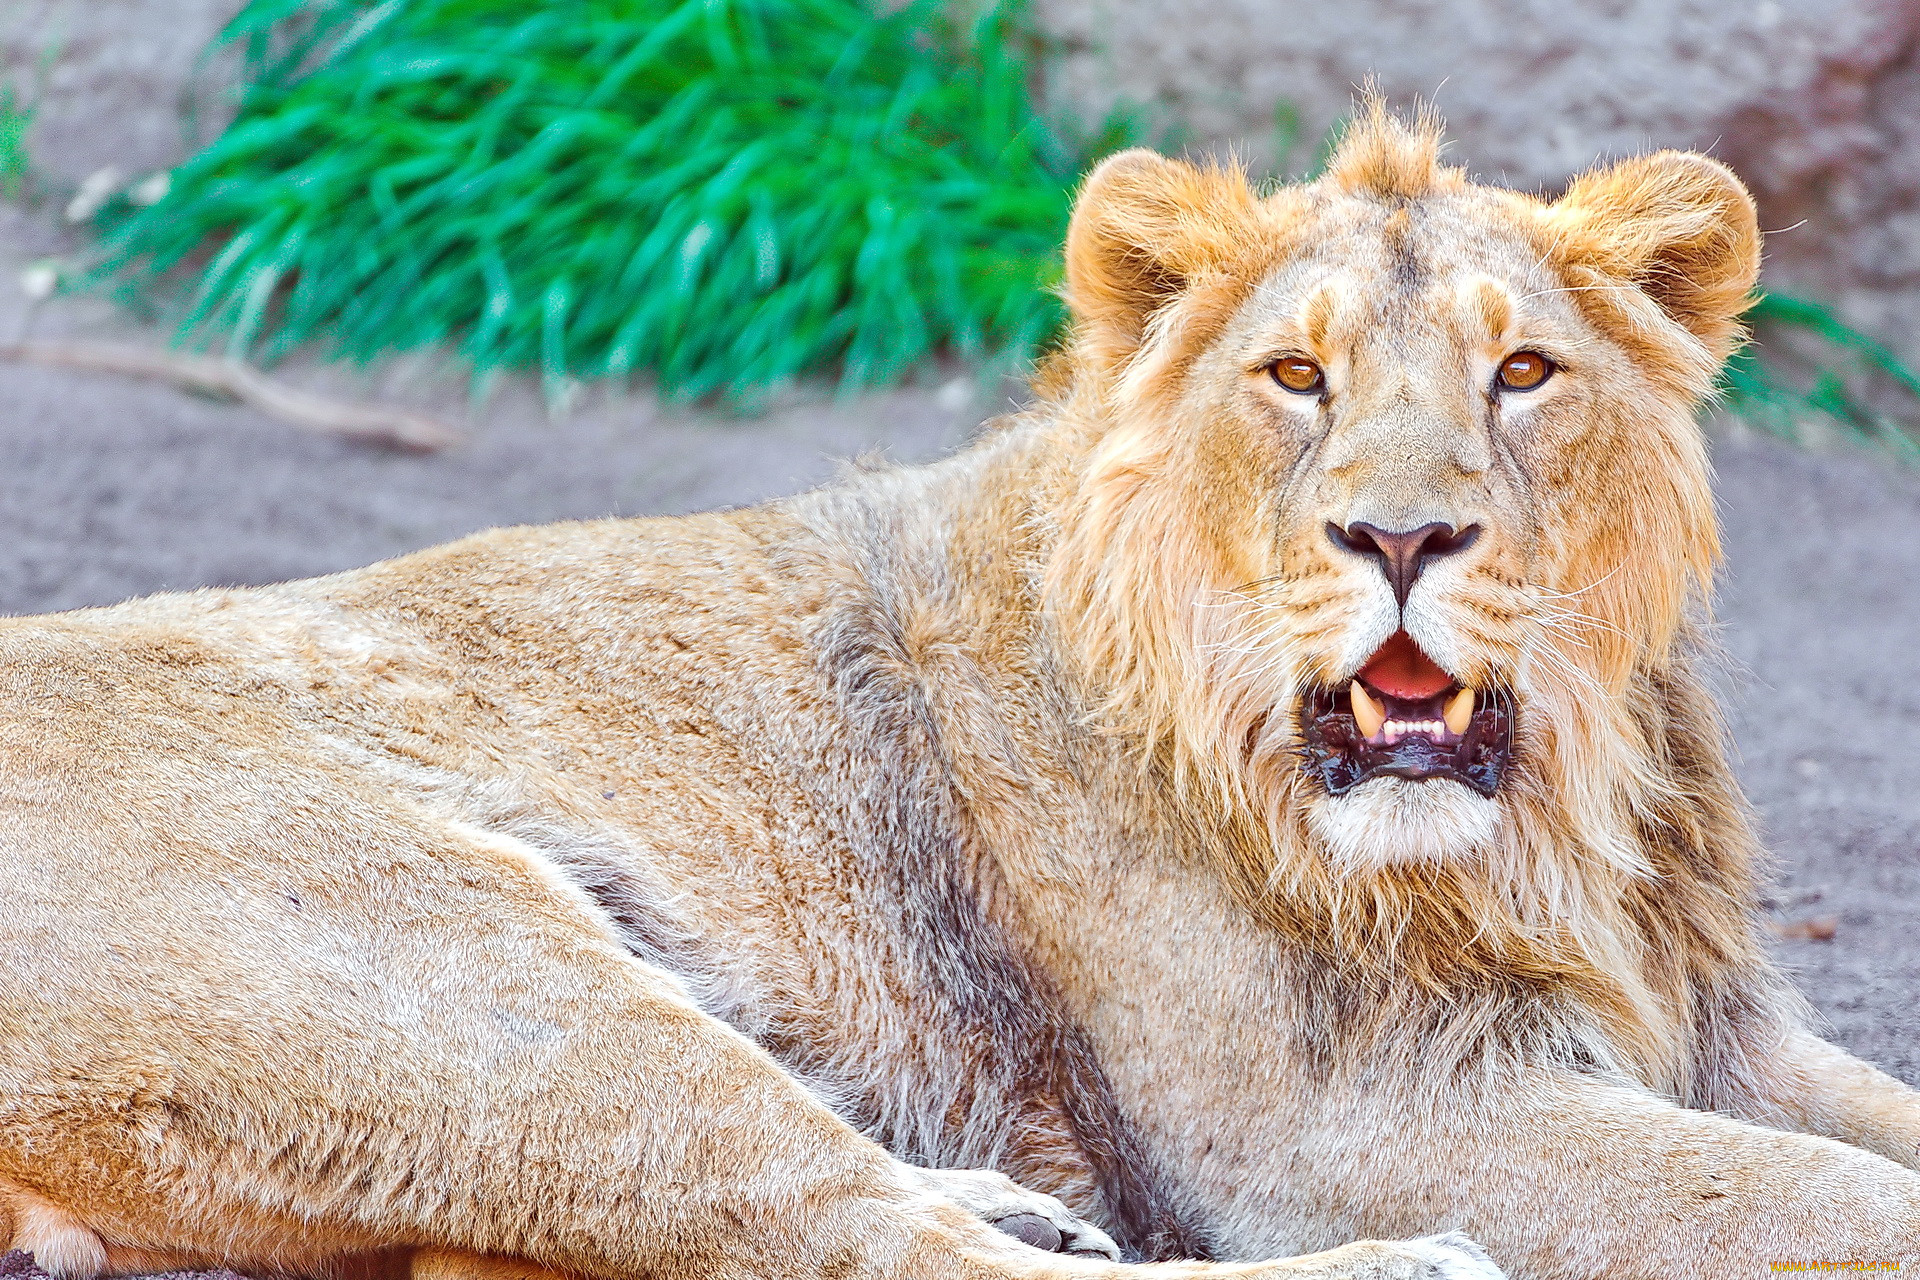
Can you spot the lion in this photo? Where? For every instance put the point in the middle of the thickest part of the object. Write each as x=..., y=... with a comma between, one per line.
x=1260, y=797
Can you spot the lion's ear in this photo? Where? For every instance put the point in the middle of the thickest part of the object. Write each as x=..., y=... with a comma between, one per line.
x=1143, y=228
x=1678, y=225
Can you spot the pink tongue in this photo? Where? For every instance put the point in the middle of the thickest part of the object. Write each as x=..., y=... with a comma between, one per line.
x=1399, y=670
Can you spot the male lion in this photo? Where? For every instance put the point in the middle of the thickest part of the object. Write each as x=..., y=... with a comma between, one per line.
x=1263, y=795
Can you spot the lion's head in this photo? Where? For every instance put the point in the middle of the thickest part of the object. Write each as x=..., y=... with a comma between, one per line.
x=1392, y=518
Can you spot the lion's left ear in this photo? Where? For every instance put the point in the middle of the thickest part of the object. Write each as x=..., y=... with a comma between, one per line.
x=1144, y=228
x=1677, y=224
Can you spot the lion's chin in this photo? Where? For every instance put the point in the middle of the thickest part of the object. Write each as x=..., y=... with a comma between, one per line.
x=1388, y=821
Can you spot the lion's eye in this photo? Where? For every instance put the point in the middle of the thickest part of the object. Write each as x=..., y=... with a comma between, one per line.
x=1525, y=370
x=1302, y=377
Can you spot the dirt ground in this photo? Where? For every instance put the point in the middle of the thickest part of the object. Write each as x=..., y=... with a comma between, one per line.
x=111, y=488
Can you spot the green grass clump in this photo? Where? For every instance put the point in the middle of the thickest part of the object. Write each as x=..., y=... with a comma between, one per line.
x=14, y=123
x=1762, y=389
x=726, y=194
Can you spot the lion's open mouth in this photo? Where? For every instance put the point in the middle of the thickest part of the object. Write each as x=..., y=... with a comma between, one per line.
x=1404, y=717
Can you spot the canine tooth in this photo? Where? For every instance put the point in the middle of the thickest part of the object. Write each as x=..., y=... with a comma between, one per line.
x=1366, y=712
x=1459, y=712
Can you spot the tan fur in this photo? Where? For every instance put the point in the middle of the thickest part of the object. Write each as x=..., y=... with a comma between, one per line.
x=587, y=900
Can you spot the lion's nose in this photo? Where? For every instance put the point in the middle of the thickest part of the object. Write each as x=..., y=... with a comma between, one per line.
x=1402, y=555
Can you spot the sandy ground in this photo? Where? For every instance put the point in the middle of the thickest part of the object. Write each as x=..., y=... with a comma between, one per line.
x=111, y=488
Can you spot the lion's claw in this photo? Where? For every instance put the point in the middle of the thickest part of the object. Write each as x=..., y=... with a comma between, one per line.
x=1031, y=1228
x=1028, y=1216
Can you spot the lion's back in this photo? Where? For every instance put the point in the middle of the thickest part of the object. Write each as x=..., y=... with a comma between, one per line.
x=569, y=654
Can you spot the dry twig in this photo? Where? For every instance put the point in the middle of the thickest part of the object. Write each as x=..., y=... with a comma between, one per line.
x=235, y=380
x=1815, y=929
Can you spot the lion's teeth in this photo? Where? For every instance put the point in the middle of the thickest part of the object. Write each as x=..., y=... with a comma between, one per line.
x=1366, y=712
x=1371, y=717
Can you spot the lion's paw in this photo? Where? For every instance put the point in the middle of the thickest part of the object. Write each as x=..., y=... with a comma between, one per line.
x=1028, y=1216
x=1453, y=1257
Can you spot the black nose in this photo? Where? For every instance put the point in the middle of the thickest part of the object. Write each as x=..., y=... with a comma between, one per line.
x=1402, y=555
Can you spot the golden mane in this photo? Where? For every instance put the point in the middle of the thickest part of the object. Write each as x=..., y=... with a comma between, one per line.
x=1382, y=156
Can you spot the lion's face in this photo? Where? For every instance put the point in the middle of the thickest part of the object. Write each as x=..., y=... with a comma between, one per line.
x=1414, y=464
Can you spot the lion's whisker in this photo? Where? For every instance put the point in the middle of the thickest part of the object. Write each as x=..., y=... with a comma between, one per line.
x=1551, y=594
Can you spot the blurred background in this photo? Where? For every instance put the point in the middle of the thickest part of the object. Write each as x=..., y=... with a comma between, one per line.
x=596, y=257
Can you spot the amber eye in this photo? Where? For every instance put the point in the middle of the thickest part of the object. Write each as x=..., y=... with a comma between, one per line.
x=1303, y=377
x=1525, y=370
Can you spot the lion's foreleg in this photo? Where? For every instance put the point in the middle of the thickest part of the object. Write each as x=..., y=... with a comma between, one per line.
x=1568, y=1177
x=1817, y=1087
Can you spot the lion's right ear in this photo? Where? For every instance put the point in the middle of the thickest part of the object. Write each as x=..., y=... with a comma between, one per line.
x=1144, y=228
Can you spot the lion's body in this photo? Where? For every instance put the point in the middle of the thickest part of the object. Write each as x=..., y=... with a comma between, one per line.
x=401, y=909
